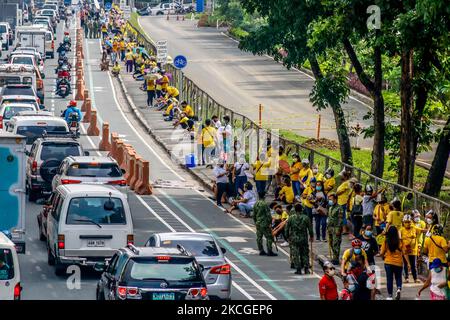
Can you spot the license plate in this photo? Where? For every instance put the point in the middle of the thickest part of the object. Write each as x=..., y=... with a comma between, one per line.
x=163, y=296
x=96, y=243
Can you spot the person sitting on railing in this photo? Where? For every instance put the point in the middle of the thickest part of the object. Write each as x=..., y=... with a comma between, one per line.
x=169, y=114
x=171, y=92
x=115, y=69
x=184, y=122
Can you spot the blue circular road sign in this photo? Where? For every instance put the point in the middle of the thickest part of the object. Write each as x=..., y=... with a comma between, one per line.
x=108, y=6
x=180, y=62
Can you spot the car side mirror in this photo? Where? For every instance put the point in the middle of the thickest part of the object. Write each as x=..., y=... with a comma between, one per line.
x=41, y=106
x=100, y=266
x=223, y=250
x=86, y=153
x=43, y=75
x=123, y=171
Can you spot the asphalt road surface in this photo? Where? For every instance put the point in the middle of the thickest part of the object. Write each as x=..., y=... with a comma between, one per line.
x=168, y=209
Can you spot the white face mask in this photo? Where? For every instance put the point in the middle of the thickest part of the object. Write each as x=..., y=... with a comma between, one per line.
x=429, y=221
x=315, y=170
x=416, y=219
x=327, y=176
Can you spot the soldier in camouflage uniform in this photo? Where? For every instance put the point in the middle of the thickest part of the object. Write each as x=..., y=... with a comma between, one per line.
x=298, y=228
x=263, y=222
x=334, y=226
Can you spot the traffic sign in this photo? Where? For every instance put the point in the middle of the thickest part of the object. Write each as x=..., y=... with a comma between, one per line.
x=126, y=12
x=180, y=62
x=108, y=6
x=161, y=51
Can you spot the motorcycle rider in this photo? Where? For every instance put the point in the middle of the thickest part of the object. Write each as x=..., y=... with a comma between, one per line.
x=67, y=39
x=71, y=108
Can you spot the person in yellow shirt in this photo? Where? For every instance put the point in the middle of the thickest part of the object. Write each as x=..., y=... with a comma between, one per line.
x=380, y=213
x=209, y=134
x=343, y=194
x=421, y=227
x=164, y=81
x=392, y=254
x=330, y=181
x=129, y=60
x=171, y=92
x=435, y=246
x=170, y=111
x=184, y=122
x=408, y=237
x=350, y=256
x=260, y=168
x=187, y=109
x=104, y=31
x=295, y=169
x=304, y=175
x=395, y=216
x=150, y=82
x=115, y=69
x=316, y=173
x=308, y=198
x=286, y=194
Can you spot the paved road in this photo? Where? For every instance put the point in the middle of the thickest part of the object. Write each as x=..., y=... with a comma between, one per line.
x=187, y=209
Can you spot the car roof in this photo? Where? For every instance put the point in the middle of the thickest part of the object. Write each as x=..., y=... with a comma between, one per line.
x=31, y=119
x=155, y=251
x=87, y=159
x=184, y=236
x=90, y=190
x=5, y=241
x=17, y=104
x=18, y=85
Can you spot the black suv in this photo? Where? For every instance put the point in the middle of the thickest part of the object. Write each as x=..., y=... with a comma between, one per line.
x=148, y=273
x=44, y=159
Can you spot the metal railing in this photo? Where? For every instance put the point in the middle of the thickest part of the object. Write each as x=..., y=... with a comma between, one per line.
x=205, y=107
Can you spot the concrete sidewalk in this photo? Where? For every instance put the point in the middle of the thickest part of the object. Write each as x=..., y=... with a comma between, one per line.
x=163, y=132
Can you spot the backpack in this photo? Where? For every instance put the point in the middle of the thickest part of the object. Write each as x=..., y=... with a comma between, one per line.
x=357, y=209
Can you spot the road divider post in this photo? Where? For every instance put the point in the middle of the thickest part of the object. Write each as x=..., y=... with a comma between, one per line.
x=93, y=128
x=135, y=179
x=80, y=90
x=143, y=187
x=86, y=96
x=104, y=144
x=87, y=114
x=114, y=138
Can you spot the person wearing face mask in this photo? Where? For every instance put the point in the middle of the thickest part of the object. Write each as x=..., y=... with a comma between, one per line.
x=392, y=253
x=221, y=174
x=316, y=173
x=369, y=244
x=380, y=213
x=343, y=193
x=327, y=284
x=308, y=197
x=435, y=246
x=408, y=236
x=239, y=173
x=368, y=205
x=334, y=225
x=421, y=226
x=436, y=281
x=320, y=212
x=431, y=219
x=357, y=209
x=295, y=169
x=329, y=181
x=346, y=292
x=350, y=256
x=260, y=169
x=395, y=215
x=304, y=176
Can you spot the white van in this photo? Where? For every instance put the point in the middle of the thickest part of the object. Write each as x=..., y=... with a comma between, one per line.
x=33, y=127
x=87, y=224
x=10, y=288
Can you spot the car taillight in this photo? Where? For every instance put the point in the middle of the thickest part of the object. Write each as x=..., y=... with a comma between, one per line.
x=122, y=292
x=40, y=84
x=1, y=122
x=34, y=166
x=194, y=292
x=197, y=293
x=53, y=44
x=130, y=239
x=224, y=269
x=118, y=182
x=203, y=292
x=17, y=290
x=61, y=241
x=132, y=291
x=69, y=181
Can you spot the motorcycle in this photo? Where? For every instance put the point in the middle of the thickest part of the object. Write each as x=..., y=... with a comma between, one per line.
x=74, y=125
x=63, y=89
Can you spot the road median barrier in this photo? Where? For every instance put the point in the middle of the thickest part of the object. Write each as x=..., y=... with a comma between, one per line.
x=129, y=152
x=143, y=186
x=104, y=144
x=93, y=128
x=119, y=153
x=80, y=90
x=86, y=96
x=129, y=173
x=114, y=138
x=87, y=114
x=135, y=178
x=125, y=149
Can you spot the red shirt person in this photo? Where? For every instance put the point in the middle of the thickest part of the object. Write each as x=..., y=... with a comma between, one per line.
x=327, y=285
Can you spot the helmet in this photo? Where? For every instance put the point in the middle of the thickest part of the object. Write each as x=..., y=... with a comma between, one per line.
x=330, y=171
x=305, y=161
x=369, y=188
x=356, y=243
x=406, y=218
x=327, y=265
x=295, y=155
x=72, y=103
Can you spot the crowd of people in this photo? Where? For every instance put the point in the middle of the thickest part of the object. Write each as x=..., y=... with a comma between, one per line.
x=306, y=203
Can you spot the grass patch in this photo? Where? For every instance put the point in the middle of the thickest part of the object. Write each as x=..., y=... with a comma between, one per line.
x=238, y=33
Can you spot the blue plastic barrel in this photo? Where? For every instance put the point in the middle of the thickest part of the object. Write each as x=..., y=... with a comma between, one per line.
x=200, y=5
x=190, y=160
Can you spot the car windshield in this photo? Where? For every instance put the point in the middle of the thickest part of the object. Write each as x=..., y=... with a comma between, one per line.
x=18, y=91
x=34, y=132
x=13, y=110
x=89, y=210
x=6, y=264
x=4, y=80
x=22, y=60
x=197, y=248
x=94, y=169
x=19, y=100
x=59, y=151
x=2, y=28
x=173, y=269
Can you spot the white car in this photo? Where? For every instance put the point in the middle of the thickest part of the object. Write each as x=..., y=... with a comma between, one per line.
x=27, y=59
x=10, y=288
x=162, y=9
x=92, y=170
x=6, y=35
x=9, y=110
x=87, y=224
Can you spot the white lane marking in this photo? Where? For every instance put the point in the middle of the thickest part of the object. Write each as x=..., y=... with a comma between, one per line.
x=155, y=214
x=245, y=293
x=234, y=239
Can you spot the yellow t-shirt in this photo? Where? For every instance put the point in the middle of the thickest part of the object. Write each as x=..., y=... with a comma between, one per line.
x=329, y=184
x=346, y=257
x=395, y=218
x=395, y=258
x=420, y=225
x=164, y=83
x=284, y=215
x=150, y=84
x=343, y=198
x=305, y=195
x=261, y=170
x=208, y=134
x=129, y=56
x=169, y=108
x=116, y=68
x=184, y=120
x=379, y=213
x=318, y=176
x=305, y=175
x=433, y=251
x=295, y=167
x=409, y=240
x=288, y=192
x=122, y=45
x=172, y=91
x=189, y=111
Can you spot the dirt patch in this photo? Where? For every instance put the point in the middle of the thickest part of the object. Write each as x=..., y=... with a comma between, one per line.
x=321, y=143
